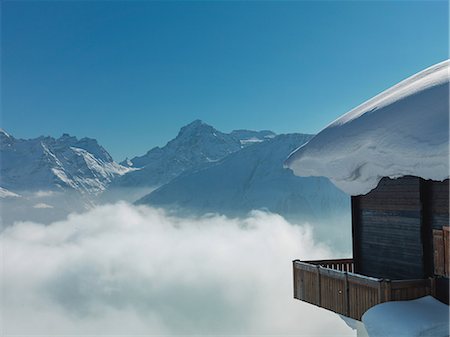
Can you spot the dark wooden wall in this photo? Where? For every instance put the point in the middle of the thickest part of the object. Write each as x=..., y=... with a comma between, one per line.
x=438, y=217
x=438, y=200
x=387, y=230
x=393, y=229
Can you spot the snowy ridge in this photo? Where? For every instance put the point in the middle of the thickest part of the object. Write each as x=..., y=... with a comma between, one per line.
x=46, y=163
x=402, y=131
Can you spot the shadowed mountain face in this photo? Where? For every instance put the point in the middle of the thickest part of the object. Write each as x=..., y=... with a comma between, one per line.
x=253, y=178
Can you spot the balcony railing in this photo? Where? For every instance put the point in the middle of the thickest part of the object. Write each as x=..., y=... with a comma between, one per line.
x=333, y=285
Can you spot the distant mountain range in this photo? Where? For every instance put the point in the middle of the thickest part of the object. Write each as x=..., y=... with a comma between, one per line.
x=200, y=170
x=65, y=163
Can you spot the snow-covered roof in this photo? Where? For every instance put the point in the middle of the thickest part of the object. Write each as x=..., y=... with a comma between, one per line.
x=402, y=131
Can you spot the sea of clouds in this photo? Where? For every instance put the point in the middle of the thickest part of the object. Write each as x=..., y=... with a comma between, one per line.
x=126, y=270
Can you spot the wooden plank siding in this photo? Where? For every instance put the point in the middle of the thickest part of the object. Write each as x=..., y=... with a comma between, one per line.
x=363, y=294
x=389, y=230
x=439, y=253
x=438, y=217
x=356, y=243
x=304, y=279
x=441, y=247
x=439, y=201
x=446, y=232
x=333, y=290
x=393, y=230
x=402, y=290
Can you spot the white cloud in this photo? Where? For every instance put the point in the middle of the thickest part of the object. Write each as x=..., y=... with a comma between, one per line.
x=125, y=270
x=41, y=194
x=42, y=205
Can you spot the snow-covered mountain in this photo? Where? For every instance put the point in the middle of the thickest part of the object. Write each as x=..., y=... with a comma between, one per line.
x=197, y=145
x=50, y=164
x=253, y=178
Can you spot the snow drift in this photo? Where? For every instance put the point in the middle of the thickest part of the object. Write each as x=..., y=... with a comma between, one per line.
x=423, y=317
x=402, y=131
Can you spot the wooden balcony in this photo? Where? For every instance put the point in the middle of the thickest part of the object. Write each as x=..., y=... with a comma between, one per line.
x=333, y=285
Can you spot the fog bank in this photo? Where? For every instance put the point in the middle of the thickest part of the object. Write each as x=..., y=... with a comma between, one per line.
x=122, y=269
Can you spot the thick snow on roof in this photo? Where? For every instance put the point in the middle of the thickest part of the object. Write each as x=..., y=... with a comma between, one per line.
x=402, y=131
x=423, y=317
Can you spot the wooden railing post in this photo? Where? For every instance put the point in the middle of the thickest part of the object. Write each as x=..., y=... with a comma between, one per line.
x=347, y=295
x=432, y=286
x=381, y=292
x=294, y=276
x=301, y=285
x=318, y=285
x=387, y=290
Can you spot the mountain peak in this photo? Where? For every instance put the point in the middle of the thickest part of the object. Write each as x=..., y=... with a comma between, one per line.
x=195, y=124
x=67, y=138
x=194, y=128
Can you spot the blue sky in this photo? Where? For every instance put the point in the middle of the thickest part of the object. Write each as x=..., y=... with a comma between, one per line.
x=132, y=73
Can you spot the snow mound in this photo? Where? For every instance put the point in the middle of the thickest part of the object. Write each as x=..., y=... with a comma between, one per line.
x=402, y=131
x=422, y=317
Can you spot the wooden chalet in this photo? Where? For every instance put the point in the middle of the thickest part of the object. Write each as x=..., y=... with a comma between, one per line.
x=400, y=250
x=400, y=227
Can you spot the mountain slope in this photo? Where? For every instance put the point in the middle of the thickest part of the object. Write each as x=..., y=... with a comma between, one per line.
x=253, y=178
